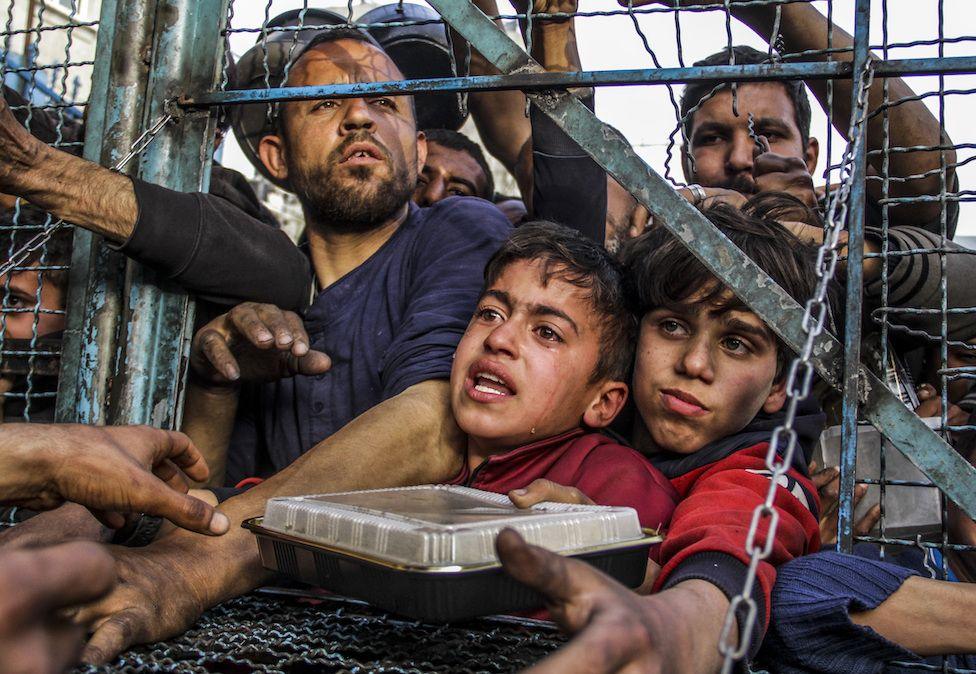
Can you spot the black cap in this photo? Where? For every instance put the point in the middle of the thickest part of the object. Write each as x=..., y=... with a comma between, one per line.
x=421, y=51
x=252, y=122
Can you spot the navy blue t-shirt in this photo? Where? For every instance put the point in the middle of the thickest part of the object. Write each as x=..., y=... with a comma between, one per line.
x=392, y=322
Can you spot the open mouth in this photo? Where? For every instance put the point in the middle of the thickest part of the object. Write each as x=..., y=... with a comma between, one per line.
x=361, y=153
x=487, y=383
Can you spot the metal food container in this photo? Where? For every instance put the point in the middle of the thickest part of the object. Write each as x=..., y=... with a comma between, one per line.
x=428, y=552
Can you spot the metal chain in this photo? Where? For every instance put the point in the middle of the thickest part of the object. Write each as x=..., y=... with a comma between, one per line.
x=42, y=237
x=798, y=384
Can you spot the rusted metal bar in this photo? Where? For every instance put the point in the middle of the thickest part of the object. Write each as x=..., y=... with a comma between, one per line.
x=159, y=316
x=94, y=300
x=949, y=471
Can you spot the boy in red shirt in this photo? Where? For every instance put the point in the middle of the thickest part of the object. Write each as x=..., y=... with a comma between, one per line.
x=709, y=387
x=543, y=364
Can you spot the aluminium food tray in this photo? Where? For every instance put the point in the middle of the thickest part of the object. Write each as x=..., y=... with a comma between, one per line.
x=428, y=552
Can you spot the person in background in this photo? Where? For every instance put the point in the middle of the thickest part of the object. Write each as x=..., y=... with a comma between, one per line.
x=455, y=167
x=34, y=298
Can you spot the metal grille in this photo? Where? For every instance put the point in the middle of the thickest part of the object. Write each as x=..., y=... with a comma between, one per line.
x=871, y=168
x=664, y=41
x=47, y=53
x=259, y=633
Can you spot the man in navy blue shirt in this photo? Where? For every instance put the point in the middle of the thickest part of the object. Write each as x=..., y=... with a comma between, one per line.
x=396, y=284
x=363, y=401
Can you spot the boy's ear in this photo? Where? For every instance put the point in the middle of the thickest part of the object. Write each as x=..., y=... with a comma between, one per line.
x=606, y=404
x=776, y=399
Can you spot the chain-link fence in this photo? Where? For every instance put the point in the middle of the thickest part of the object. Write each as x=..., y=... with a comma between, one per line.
x=892, y=165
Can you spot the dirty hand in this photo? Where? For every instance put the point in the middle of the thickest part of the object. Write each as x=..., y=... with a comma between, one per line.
x=827, y=482
x=108, y=469
x=154, y=599
x=36, y=585
x=778, y=173
x=546, y=490
x=614, y=629
x=254, y=342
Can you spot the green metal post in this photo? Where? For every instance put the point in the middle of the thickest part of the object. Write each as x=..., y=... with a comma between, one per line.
x=159, y=317
x=115, y=117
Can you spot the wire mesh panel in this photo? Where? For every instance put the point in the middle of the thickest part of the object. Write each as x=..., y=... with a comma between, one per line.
x=898, y=192
x=48, y=50
x=874, y=150
x=283, y=634
x=46, y=54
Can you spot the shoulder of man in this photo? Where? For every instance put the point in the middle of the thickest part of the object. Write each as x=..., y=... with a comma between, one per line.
x=468, y=216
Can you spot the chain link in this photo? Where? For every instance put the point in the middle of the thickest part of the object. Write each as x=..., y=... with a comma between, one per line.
x=41, y=238
x=799, y=382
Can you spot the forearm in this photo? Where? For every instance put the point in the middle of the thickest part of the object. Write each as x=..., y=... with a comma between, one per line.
x=554, y=45
x=697, y=610
x=804, y=28
x=69, y=187
x=70, y=522
x=408, y=439
x=926, y=616
x=209, y=421
x=499, y=115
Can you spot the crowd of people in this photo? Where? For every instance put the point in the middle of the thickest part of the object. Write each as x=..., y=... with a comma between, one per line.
x=557, y=345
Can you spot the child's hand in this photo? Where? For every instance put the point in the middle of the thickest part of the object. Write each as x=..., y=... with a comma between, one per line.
x=547, y=490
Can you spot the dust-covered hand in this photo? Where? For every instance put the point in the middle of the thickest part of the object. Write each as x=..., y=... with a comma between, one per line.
x=108, y=469
x=254, y=343
x=779, y=173
x=36, y=587
x=614, y=629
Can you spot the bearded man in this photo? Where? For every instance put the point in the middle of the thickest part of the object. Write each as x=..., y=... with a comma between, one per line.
x=395, y=284
x=352, y=395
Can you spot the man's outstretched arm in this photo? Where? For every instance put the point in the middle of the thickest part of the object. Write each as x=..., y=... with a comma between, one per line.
x=615, y=630
x=199, y=241
x=408, y=439
x=66, y=186
x=911, y=123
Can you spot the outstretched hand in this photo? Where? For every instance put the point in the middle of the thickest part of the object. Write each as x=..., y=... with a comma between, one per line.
x=614, y=629
x=109, y=469
x=257, y=343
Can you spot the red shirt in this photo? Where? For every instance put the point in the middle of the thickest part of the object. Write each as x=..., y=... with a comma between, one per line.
x=606, y=471
x=707, y=535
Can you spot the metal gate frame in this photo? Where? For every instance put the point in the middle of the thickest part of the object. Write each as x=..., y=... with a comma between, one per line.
x=141, y=385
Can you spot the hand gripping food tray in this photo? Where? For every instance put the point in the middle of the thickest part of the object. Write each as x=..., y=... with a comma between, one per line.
x=428, y=552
